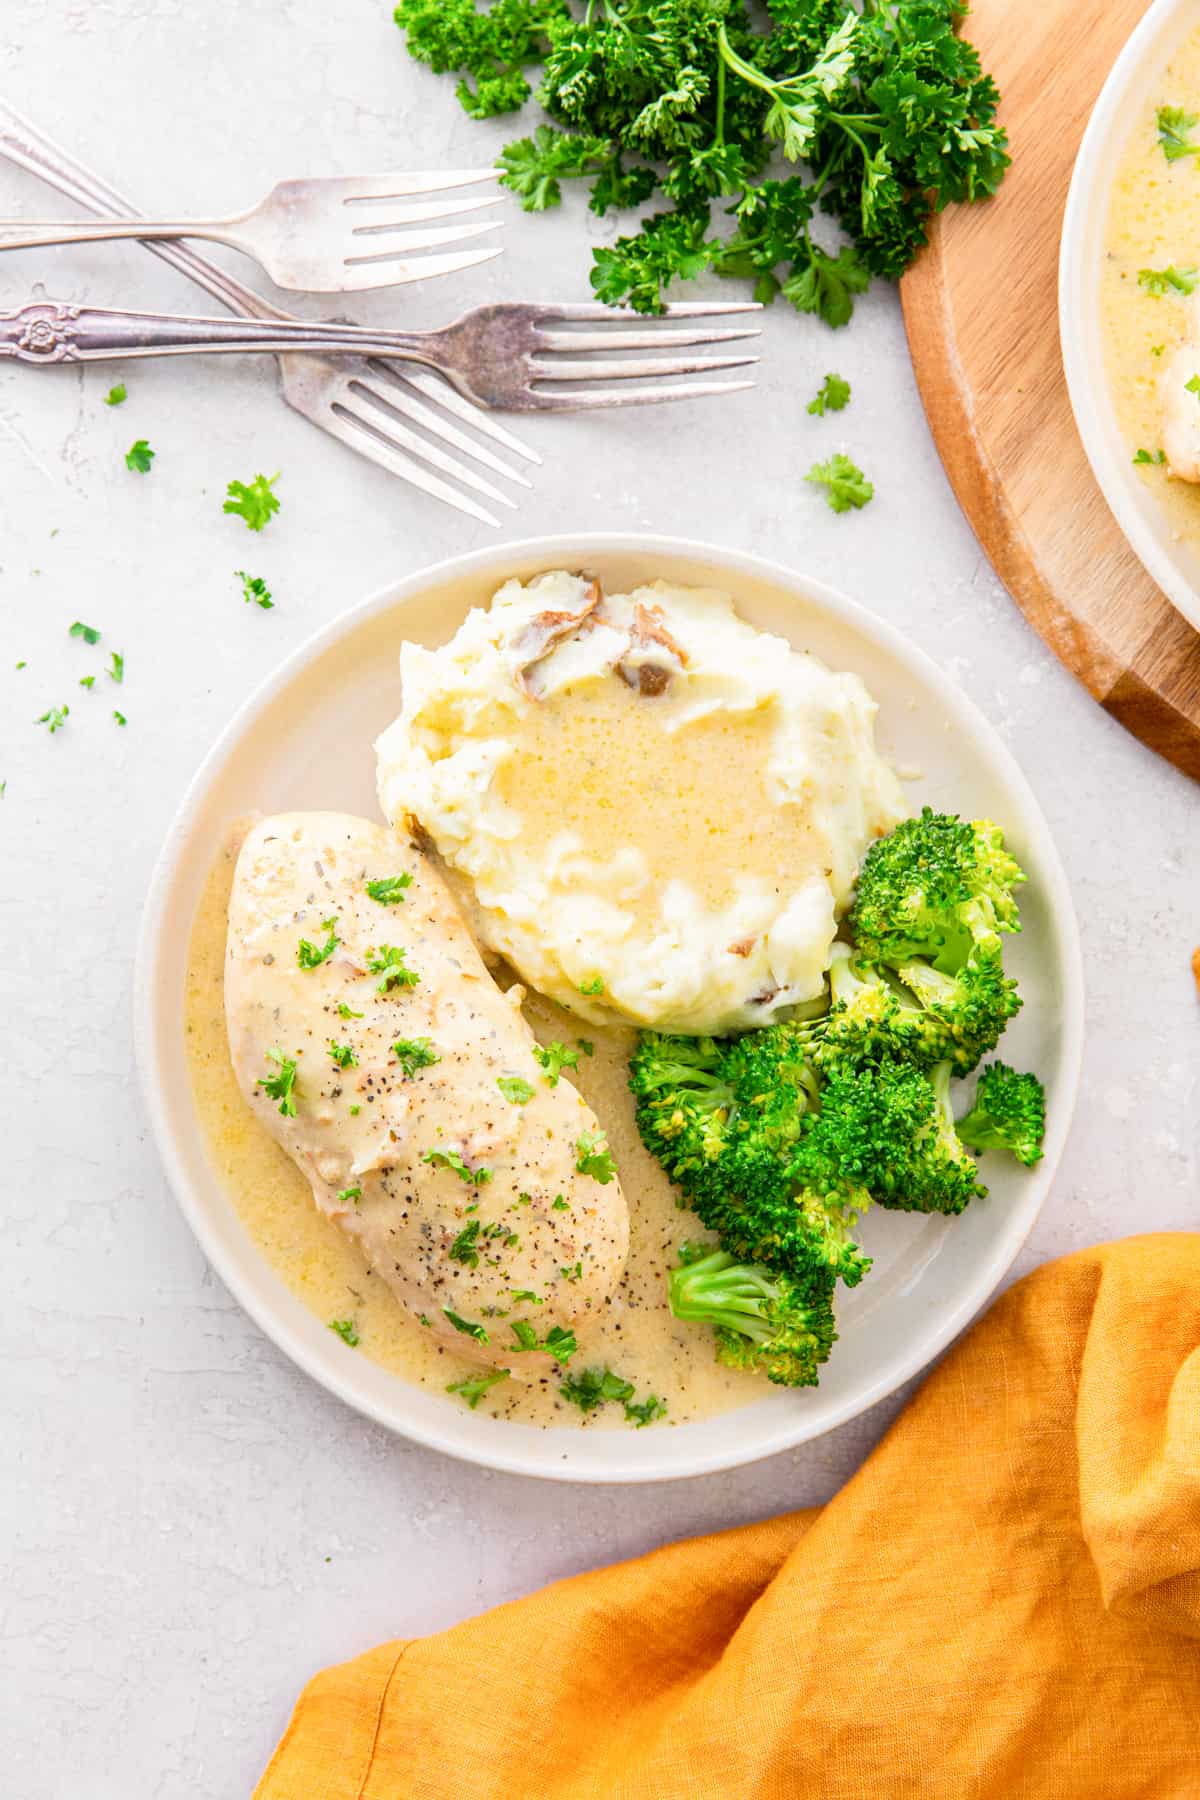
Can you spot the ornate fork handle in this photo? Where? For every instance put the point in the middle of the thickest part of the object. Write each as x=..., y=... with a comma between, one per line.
x=56, y=331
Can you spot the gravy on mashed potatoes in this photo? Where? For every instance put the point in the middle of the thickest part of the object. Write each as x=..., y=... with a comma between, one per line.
x=649, y=808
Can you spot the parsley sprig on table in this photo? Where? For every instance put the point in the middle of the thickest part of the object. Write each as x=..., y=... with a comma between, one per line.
x=884, y=111
x=254, y=501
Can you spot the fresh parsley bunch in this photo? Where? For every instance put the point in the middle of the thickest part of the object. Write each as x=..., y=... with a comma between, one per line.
x=883, y=110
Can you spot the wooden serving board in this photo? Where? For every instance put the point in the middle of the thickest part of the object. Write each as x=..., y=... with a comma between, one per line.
x=980, y=307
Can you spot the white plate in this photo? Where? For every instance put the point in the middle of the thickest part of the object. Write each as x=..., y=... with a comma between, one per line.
x=304, y=740
x=1173, y=563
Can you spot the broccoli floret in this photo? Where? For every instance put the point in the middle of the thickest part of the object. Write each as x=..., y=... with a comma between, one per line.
x=870, y=1015
x=934, y=887
x=964, y=1013
x=727, y=1121
x=684, y=1104
x=889, y=1125
x=781, y=1328
x=1009, y=1114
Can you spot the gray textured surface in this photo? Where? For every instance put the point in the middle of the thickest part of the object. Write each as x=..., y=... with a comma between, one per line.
x=193, y=1527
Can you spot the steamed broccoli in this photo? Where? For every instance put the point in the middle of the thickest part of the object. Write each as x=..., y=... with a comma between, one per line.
x=1009, y=1114
x=727, y=1120
x=889, y=1126
x=965, y=1013
x=935, y=887
x=777, y=1326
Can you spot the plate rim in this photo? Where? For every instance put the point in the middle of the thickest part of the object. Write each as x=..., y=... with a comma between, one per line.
x=1090, y=399
x=553, y=550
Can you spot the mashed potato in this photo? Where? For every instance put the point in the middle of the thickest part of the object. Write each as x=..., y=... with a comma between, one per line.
x=653, y=811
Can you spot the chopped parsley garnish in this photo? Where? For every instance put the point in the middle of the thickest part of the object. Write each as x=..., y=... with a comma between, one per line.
x=342, y=1055
x=120, y=717
x=311, y=956
x=139, y=456
x=469, y=1328
x=587, y=1046
x=474, y=1387
x=574, y=1273
x=282, y=1085
x=594, y=985
x=255, y=589
x=117, y=667
x=519, y=1294
x=844, y=483
x=87, y=681
x=561, y=1344
x=558, y=1342
x=354, y=1111
x=346, y=1329
x=1150, y=456
x=593, y=1157
x=117, y=396
x=831, y=396
x=559, y=1204
x=464, y=1248
x=388, y=962
x=88, y=633
x=451, y=1159
x=1192, y=386
x=413, y=1054
x=644, y=1412
x=515, y=1088
x=388, y=890
x=1157, y=349
x=350, y=1193
x=22, y=664
x=554, y=1058
x=253, y=501
x=1168, y=281
x=54, y=718
x=595, y=1387
x=592, y=1387
x=1174, y=128
x=346, y=1012
x=884, y=106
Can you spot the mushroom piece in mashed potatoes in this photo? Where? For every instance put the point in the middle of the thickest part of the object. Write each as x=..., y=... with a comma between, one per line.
x=653, y=811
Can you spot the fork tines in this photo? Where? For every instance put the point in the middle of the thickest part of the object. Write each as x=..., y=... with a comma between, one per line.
x=386, y=242
x=618, y=336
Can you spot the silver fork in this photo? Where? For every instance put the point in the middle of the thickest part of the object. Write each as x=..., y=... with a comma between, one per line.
x=504, y=356
x=398, y=417
x=321, y=236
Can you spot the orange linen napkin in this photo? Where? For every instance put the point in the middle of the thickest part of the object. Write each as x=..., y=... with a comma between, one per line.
x=1003, y=1602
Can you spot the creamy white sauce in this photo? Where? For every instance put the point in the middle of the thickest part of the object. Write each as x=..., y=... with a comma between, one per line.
x=326, y=1270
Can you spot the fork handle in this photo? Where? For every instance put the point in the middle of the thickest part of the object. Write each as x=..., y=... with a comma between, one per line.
x=56, y=331
x=37, y=234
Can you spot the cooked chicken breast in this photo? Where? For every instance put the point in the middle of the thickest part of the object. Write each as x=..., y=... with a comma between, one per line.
x=1181, y=403
x=373, y=1044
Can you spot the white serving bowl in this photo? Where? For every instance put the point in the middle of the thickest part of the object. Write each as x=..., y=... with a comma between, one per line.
x=1134, y=79
x=304, y=740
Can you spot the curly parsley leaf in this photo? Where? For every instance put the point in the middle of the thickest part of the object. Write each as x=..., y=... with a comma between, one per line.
x=452, y=1159
x=554, y=1058
x=845, y=484
x=310, y=955
x=54, y=718
x=346, y=1329
x=255, y=589
x=389, y=963
x=1174, y=132
x=282, y=1085
x=116, y=396
x=88, y=633
x=832, y=396
x=593, y=1157
x=139, y=456
x=342, y=1055
x=253, y=501
x=413, y=1054
x=515, y=1088
x=469, y=1327
x=388, y=890
x=474, y=1387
